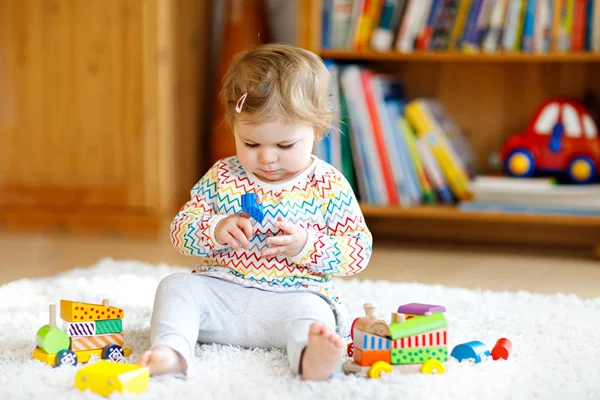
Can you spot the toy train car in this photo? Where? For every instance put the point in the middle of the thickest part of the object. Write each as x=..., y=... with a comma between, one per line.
x=91, y=330
x=416, y=340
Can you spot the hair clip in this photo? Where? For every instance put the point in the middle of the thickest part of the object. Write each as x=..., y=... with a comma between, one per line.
x=240, y=103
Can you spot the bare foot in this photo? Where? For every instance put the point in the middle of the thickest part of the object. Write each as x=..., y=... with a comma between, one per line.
x=163, y=360
x=322, y=353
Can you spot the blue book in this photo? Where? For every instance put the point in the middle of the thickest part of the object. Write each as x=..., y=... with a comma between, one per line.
x=528, y=23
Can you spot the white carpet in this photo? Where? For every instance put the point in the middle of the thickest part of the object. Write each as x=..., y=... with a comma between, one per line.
x=555, y=338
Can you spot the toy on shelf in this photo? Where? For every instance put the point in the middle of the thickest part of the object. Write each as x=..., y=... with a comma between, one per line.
x=415, y=341
x=91, y=330
x=105, y=378
x=252, y=208
x=560, y=140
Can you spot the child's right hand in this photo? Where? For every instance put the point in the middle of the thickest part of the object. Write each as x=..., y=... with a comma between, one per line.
x=235, y=231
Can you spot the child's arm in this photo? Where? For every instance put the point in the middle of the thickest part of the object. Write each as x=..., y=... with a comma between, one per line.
x=192, y=230
x=347, y=247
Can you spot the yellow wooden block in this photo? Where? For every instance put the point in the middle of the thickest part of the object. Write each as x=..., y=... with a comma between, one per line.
x=105, y=378
x=41, y=355
x=82, y=356
x=72, y=311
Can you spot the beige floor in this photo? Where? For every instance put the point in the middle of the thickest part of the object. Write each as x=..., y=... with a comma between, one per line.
x=24, y=255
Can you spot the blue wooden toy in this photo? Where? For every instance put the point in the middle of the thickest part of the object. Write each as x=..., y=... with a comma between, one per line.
x=473, y=350
x=252, y=208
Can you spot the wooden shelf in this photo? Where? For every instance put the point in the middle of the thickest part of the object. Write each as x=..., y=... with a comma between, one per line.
x=451, y=213
x=460, y=57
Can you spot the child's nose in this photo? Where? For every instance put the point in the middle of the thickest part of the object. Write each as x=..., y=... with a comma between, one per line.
x=267, y=156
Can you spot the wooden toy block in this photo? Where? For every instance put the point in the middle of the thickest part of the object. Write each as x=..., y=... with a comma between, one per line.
x=50, y=338
x=416, y=326
x=419, y=355
x=96, y=342
x=502, y=349
x=419, y=309
x=474, y=350
x=252, y=208
x=368, y=341
x=370, y=324
x=109, y=326
x=75, y=329
x=105, y=378
x=368, y=357
x=427, y=339
x=72, y=311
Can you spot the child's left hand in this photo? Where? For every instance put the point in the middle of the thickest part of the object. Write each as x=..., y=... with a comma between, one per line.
x=289, y=244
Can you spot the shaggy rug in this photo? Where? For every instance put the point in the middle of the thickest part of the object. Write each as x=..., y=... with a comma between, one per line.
x=556, y=346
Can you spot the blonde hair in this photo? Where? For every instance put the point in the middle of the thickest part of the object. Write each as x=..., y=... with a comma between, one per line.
x=281, y=82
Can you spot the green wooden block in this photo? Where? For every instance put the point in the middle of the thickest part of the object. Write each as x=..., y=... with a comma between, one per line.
x=418, y=355
x=417, y=325
x=109, y=326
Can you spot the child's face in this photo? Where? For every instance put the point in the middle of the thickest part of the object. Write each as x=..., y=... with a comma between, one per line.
x=274, y=151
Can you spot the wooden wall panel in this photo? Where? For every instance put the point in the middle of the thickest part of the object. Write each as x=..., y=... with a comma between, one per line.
x=76, y=90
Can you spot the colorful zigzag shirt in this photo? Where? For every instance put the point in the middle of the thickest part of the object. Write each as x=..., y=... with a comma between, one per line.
x=319, y=199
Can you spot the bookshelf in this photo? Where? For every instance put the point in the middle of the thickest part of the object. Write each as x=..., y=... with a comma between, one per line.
x=491, y=96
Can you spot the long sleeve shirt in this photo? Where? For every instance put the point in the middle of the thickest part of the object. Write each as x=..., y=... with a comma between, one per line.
x=319, y=199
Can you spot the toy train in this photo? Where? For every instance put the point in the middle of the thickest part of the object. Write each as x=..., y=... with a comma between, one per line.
x=416, y=340
x=91, y=330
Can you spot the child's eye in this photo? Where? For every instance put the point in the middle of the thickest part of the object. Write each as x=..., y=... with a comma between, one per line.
x=285, y=146
x=251, y=145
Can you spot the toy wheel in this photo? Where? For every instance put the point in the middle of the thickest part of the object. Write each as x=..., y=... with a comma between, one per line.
x=66, y=357
x=520, y=163
x=432, y=367
x=350, y=349
x=582, y=170
x=113, y=352
x=379, y=368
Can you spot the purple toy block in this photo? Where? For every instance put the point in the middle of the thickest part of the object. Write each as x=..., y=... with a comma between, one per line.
x=420, y=309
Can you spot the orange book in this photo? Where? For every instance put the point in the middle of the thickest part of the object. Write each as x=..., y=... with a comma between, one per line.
x=578, y=30
x=378, y=134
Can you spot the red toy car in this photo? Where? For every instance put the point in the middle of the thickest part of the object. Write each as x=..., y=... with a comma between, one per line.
x=561, y=139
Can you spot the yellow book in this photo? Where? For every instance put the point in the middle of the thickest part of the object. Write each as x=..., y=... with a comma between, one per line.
x=367, y=22
x=519, y=36
x=459, y=24
x=569, y=24
x=556, y=24
x=430, y=130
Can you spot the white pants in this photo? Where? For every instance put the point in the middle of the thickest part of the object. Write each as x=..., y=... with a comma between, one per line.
x=192, y=308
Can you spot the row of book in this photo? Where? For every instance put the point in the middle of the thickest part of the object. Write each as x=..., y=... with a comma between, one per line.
x=394, y=151
x=470, y=26
x=540, y=195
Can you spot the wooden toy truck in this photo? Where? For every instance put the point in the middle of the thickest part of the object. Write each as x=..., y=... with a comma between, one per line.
x=416, y=340
x=90, y=330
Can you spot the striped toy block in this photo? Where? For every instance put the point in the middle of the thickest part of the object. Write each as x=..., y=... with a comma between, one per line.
x=96, y=342
x=109, y=326
x=369, y=341
x=72, y=311
x=369, y=357
x=419, y=355
x=75, y=329
x=428, y=339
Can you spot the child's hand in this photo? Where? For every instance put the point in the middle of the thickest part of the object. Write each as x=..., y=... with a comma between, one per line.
x=235, y=231
x=289, y=244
